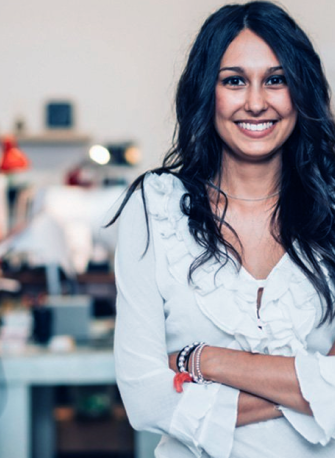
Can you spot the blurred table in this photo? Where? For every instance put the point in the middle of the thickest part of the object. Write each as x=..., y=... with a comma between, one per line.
x=27, y=427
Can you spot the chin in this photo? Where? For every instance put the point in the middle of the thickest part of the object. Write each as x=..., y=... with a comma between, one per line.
x=257, y=154
x=258, y=157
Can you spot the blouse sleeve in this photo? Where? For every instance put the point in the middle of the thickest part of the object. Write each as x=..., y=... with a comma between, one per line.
x=203, y=417
x=316, y=376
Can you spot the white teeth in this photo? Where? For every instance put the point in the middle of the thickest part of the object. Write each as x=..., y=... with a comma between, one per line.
x=256, y=127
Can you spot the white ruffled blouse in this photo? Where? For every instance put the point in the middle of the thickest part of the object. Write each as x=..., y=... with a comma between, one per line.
x=159, y=312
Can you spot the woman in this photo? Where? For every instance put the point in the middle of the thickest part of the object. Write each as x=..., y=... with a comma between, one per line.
x=232, y=243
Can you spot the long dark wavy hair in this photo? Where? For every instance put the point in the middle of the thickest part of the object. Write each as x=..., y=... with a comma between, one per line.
x=304, y=214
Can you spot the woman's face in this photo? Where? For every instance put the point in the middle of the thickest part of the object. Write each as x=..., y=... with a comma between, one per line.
x=254, y=113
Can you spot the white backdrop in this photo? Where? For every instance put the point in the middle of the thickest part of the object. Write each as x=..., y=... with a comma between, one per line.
x=118, y=60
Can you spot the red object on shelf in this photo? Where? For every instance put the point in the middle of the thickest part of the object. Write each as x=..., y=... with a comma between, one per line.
x=79, y=177
x=13, y=159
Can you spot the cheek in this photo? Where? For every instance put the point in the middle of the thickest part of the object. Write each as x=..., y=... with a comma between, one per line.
x=284, y=105
x=219, y=104
x=225, y=104
x=290, y=113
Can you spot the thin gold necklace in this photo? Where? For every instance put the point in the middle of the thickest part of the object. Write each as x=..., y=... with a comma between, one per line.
x=251, y=200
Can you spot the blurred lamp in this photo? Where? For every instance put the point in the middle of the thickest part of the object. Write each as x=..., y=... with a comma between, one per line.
x=13, y=159
x=132, y=155
x=99, y=154
x=124, y=153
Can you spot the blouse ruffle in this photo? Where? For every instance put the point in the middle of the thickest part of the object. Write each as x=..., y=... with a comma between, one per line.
x=290, y=304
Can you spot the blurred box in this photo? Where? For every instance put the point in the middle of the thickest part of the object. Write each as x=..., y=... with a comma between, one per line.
x=71, y=315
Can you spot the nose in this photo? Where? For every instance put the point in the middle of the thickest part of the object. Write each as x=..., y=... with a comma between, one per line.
x=255, y=102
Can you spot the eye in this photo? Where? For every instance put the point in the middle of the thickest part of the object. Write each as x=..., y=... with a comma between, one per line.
x=276, y=80
x=233, y=81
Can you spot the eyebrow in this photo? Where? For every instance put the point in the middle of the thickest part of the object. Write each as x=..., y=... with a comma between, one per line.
x=241, y=70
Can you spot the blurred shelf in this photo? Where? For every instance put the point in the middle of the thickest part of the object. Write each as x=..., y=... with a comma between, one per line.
x=97, y=284
x=53, y=137
x=96, y=277
x=37, y=277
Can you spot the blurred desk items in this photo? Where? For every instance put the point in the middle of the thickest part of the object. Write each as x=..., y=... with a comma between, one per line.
x=81, y=214
x=42, y=324
x=113, y=156
x=71, y=316
x=27, y=426
x=16, y=330
x=65, y=231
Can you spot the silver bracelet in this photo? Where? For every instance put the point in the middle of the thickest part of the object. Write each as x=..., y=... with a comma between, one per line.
x=196, y=373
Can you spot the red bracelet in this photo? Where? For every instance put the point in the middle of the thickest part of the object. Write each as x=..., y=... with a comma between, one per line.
x=179, y=379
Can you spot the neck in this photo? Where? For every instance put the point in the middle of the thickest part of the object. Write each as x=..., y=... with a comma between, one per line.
x=252, y=181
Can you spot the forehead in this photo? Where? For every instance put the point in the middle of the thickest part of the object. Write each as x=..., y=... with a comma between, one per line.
x=249, y=50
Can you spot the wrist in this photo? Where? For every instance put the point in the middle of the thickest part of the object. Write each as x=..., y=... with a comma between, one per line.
x=277, y=411
x=252, y=409
x=209, y=363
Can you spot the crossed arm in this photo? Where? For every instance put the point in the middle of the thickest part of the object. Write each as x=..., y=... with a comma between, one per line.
x=264, y=381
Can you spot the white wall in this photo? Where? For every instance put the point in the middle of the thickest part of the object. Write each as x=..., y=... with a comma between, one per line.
x=117, y=59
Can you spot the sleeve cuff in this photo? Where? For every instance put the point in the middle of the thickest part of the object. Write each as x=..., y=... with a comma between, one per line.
x=305, y=425
x=316, y=376
x=209, y=416
x=218, y=428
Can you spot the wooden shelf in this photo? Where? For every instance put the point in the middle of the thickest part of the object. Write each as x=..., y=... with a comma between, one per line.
x=53, y=137
x=38, y=277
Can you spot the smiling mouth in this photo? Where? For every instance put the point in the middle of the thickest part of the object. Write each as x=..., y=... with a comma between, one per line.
x=256, y=127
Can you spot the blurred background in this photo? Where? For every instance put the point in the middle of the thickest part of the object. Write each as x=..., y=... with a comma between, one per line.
x=86, y=104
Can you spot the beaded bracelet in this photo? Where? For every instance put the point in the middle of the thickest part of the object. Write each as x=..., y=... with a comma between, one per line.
x=184, y=358
x=193, y=351
x=184, y=354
